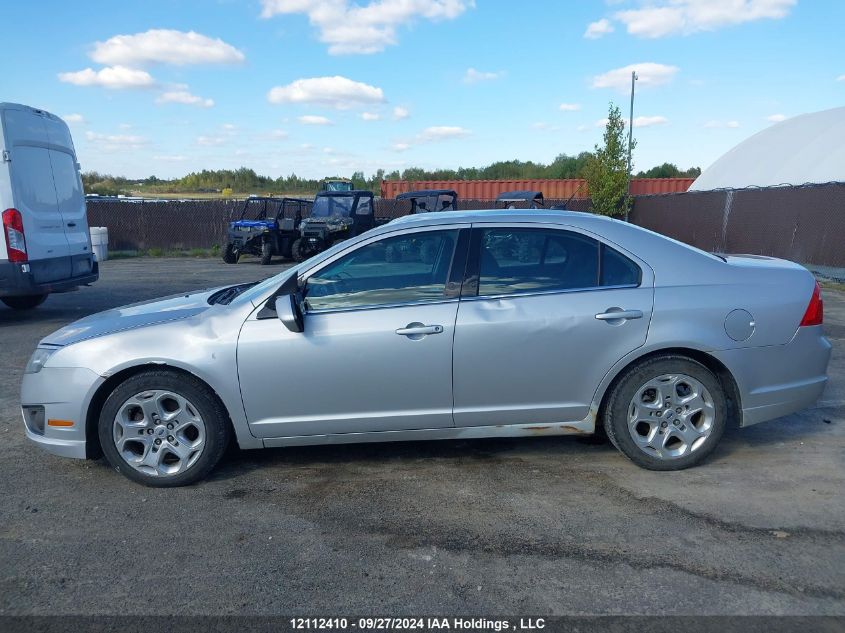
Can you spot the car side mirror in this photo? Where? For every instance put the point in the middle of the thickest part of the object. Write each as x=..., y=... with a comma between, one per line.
x=284, y=305
x=289, y=312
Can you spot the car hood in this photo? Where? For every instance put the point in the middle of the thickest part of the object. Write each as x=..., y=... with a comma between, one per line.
x=132, y=316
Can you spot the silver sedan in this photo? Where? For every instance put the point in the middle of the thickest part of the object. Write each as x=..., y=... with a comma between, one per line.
x=442, y=326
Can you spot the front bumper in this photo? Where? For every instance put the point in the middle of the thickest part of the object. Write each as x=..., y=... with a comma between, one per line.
x=777, y=380
x=39, y=277
x=65, y=394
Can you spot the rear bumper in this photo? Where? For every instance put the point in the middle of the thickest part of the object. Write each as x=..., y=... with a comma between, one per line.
x=17, y=280
x=777, y=380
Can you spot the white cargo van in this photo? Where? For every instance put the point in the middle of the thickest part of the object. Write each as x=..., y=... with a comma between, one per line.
x=45, y=245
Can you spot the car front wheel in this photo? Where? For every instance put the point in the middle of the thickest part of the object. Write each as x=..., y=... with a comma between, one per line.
x=163, y=429
x=666, y=413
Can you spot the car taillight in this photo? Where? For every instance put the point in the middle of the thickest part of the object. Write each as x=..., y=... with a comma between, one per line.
x=815, y=311
x=15, y=239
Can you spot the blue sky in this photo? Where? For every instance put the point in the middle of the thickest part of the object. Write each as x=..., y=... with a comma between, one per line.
x=318, y=87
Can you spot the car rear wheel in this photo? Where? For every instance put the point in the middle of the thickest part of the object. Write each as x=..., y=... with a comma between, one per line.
x=24, y=303
x=230, y=255
x=163, y=429
x=667, y=413
x=266, y=253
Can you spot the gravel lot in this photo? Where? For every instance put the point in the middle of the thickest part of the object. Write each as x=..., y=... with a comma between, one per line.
x=542, y=526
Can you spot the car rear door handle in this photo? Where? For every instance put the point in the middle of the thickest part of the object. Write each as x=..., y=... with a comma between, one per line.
x=419, y=330
x=617, y=314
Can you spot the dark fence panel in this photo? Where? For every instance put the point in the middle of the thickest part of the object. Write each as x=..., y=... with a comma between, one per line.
x=804, y=224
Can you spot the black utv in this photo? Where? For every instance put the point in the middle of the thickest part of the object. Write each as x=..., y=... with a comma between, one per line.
x=428, y=200
x=510, y=199
x=267, y=227
x=335, y=216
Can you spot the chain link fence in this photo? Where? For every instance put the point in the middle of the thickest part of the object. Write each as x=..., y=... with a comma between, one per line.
x=805, y=224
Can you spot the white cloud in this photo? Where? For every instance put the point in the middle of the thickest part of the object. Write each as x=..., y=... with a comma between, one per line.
x=74, y=119
x=673, y=17
x=598, y=29
x=338, y=92
x=210, y=141
x=400, y=113
x=278, y=134
x=165, y=46
x=115, y=142
x=649, y=74
x=350, y=28
x=442, y=133
x=776, y=118
x=840, y=78
x=186, y=98
x=569, y=107
x=310, y=119
x=370, y=116
x=401, y=147
x=473, y=76
x=174, y=158
x=112, y=77
x=721, y=124
x=648, y=121
x=542, y=125
x=602, y=122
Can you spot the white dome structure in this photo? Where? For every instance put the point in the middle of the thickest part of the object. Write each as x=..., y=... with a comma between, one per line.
x=809, y=148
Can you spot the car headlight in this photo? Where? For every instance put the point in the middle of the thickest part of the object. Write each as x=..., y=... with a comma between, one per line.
x=38, y=359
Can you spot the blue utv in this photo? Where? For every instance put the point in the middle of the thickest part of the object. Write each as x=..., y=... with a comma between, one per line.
x=267, y=227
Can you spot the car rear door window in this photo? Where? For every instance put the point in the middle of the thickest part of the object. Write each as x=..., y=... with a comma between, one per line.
x=514, y=260
x=618, y=270
x=404, y=269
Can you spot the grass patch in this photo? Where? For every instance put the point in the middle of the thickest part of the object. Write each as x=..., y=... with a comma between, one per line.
x=214, y=251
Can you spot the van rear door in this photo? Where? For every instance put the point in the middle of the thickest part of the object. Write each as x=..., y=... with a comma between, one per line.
x=69, y=196
x=34, y=194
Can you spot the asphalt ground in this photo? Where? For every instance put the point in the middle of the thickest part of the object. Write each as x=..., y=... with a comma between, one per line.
x=507, y=526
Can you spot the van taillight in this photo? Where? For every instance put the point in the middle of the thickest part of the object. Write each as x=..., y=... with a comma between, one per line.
x=15, y=240
x=815, y=311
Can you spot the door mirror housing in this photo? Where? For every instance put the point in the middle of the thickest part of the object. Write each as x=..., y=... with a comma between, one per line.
x=285, y=306
x=289, y=312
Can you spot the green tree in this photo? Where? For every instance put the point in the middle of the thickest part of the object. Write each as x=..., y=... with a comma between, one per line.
x=607, y=171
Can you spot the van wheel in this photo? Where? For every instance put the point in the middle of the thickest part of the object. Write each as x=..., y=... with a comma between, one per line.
x=24, y=303
x=163, y=429
x=230, y=255
x=667, y=413
x=266, y=253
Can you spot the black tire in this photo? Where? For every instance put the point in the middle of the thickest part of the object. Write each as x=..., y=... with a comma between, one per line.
x=24, y=303
x=287, y=249
x=266, y=253
x=615, y=419
x=217, y=426
x=297, y=250
x=230, y=255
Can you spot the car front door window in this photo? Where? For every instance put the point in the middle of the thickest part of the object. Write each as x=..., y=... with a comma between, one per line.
x=409, y=268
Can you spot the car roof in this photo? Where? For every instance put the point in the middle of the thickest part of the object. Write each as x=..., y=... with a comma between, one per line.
x=503, y=215
x=422, y=193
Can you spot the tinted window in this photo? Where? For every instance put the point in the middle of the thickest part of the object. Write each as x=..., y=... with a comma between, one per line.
x=66, y=178
x=536, y=260
x=618, y=270
x=400, y=269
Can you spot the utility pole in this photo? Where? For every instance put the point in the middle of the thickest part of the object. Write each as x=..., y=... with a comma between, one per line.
x=630, y=135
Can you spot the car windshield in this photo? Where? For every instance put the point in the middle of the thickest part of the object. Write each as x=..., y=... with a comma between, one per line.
x=328, y=206
x=337, y=185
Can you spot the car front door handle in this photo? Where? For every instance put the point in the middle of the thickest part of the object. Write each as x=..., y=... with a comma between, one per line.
x=617, y=314
x=418, y=330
